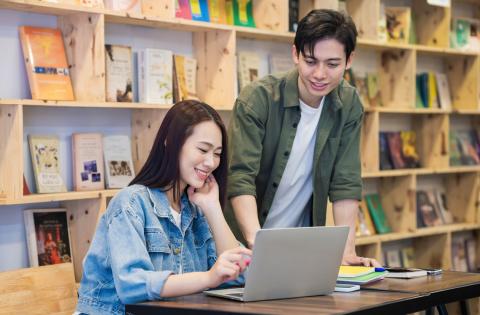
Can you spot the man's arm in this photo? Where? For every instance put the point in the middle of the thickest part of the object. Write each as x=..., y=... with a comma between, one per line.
x=345, y=213
x=245, y=210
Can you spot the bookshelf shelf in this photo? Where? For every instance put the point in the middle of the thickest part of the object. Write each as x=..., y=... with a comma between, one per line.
x=40, y=103
x=71, y=195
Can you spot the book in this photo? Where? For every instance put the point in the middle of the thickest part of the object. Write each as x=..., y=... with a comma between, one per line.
x=408, y=257
x=394, y=141
x=378, y=214
x=117, y=155
x=446, y=216
x=248, y=68
x=48, y=236
x=217, y=11
x=185, y=78
x=467, y=145
x=118, y=71
x=461, y=33
x=373, y=90
x=131, y=6
x=459, y=258
x=385, y=160
x=409, y=151
x=365, y=279
x=443, y=89
x=26, y=190
x=398, y=24
x=454, y=149
x=155, y=76
x=393, y=258
x=404, y=273
x=293, y=9
x=46, y=63
x=88, y=167
x=182, y=9
x=199, y=10
x=354, y=271
x=243, y=13
x=364, y=224
x=280, y=63
x=428, y=212
x=432, y=91
x=46, y=163
x=470, y=252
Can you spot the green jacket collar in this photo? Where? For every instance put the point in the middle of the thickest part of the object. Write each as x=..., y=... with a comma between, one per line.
x=291, y=93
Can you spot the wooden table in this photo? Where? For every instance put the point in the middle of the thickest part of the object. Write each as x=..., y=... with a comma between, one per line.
x=360, y=302
x=389, y=296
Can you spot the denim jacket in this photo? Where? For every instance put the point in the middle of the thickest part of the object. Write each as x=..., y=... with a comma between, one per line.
x=137, y=246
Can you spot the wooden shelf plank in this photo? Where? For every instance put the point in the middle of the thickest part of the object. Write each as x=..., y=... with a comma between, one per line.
x=27, y=102
x=390, y=173
x=466, y=111
x=422, y=232
x=37, y=6
x=71, y=195
x=444, y=51
x=422, y=171
x=412, y=110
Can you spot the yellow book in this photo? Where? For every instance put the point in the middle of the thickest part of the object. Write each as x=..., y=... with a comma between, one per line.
x=354, y=271
x=432, y=91
x=217, y=10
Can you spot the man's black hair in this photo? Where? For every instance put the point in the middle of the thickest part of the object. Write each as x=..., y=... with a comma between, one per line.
x=325, y=24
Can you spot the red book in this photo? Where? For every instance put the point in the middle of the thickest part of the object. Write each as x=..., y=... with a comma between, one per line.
x=182, y=9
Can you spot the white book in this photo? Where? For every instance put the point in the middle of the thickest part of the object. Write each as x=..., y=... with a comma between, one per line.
x=443, y=91
x=248, y=68
x=118, y=68
x=117, y=154
x=155, y=70
x=48, y=236
x=132, y=6
x=280, y=63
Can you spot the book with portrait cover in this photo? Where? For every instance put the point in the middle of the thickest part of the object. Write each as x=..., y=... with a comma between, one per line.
x=46, y=163
x=155, y=76
x=48, y=236
x=118, y=71
x=87, y=154
x=117, y=155
x=46, y=63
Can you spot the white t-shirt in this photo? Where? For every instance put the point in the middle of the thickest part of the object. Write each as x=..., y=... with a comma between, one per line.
x=296, y=186
x=177, y=218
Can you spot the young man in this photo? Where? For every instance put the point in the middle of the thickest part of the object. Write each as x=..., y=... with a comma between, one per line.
x=294, y=138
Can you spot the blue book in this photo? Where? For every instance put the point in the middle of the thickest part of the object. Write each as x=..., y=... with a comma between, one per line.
x=199, y=10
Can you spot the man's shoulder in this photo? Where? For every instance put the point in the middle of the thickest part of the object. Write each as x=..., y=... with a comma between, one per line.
x=266, y=90
x=347, y=95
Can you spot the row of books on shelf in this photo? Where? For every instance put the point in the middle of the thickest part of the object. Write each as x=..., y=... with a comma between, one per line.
x=430, y=205
x=397, y=150
x=232, y=12
x=432, y=91
x=98, y=162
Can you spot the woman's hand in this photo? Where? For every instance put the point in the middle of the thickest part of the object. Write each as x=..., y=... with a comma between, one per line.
x=206, y=197
x=229, y=265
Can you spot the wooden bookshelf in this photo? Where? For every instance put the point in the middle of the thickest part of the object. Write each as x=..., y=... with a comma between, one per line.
x=215, y=47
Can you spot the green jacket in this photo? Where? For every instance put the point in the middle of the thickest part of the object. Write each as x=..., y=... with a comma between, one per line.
x=261, y=134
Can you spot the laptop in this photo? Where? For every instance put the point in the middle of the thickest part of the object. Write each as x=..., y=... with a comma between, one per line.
x=291, y=262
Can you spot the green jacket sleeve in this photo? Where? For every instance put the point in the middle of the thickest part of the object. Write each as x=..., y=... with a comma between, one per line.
x=346, y=182
x=245, y=136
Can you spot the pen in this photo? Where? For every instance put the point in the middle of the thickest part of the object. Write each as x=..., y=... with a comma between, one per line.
x=379, y=269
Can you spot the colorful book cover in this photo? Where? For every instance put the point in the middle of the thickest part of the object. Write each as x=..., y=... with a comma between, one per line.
x=354, y=271
x=46, y=63
x=46, y=163
x=48, y=236
x=398, y=24
x=455, y=155
x=182, y=9
x=373, y=90
x=461, y=33
x=155, y=76
x=87, y=153
x=185, y=74
x=368, y=278
x=243, y=13
x=466, y=141
x=377, y=213
x=422, y=84
x=432, y=91
x=199, y=10
x=364, y=224
x=118, y=68
x=217, y=11
x=385, y=160
x=409, y=150
x=427, y=209
x=395, y=148
x=229, y=11
x=362, y=89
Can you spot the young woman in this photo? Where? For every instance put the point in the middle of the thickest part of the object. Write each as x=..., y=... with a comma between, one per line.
x=160, y=236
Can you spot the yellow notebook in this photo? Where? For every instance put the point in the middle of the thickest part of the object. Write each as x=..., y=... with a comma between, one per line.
x=354, y=271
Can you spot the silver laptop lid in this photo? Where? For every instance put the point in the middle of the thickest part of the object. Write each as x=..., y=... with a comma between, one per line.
x=295, y=262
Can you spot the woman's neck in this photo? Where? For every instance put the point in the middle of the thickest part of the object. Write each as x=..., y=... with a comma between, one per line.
x=176, y=205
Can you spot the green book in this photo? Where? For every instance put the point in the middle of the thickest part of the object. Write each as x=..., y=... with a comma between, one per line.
x=243, y=13
x=377, y=213
x=368, y=278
